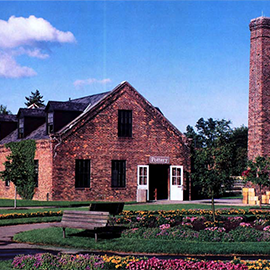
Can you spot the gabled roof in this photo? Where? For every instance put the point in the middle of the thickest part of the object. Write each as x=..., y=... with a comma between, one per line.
x=25, y=112
x=107, y=99
x=8, y=118
x=90, y=106
x=79, y=104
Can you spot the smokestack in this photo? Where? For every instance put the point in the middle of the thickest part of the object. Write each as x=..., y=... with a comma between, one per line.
x=259, y=89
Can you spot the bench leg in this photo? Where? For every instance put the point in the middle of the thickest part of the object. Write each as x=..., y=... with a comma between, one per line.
x=95, y=237
x=64, y=232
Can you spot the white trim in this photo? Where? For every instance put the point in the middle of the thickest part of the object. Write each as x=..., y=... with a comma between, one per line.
x=146, y=187
x=180, y=187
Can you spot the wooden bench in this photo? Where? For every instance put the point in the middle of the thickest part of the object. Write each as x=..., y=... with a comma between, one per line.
x=87, y=220
x=113, y=208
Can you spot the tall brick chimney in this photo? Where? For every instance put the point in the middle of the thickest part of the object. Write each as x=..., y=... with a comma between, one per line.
x=259, y=89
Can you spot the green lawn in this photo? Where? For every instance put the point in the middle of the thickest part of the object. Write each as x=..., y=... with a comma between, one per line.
x=31, y=203
x=79, y=240
x=6, y=265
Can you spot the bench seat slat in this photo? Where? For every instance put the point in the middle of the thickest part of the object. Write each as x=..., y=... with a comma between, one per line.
x=99, y=224
x=80, y=225
x=85, y=217
x=86, y=212
x=85, y=221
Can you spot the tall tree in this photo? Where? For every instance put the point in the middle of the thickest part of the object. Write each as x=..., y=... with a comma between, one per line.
x=20, y=168
x=211, y=156
x=239, y=139
x=35, y=98
x=4, y=110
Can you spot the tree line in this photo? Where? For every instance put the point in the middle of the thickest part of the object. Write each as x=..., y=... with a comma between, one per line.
x=34, y=98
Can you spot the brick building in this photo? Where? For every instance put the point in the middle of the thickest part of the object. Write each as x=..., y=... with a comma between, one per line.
x=259, y=89
x=113, y=146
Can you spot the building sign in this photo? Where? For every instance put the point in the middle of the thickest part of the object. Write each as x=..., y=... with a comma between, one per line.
x=159, y=160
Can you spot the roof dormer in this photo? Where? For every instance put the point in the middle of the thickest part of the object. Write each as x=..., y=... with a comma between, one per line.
x=29, y=120
x=8, y=123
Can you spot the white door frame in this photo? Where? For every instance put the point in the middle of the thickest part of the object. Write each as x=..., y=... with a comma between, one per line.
x=176, y=190
x=143, y=186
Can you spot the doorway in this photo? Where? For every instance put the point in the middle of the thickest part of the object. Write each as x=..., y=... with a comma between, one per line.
x=158, y=182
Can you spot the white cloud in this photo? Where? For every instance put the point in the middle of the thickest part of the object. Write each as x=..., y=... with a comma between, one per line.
x=19, y=31
x=27, y=36
x=9, y=68
x=81, y=83
x=31, y=53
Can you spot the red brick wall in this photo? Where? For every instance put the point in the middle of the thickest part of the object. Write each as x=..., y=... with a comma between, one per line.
x=5, y=192
x=44, y=155
x=96, y=139
x=259, y=89
x=45, y=161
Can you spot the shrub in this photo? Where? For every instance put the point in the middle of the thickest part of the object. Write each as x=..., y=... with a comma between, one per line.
x=247, y=234
x=209, y=234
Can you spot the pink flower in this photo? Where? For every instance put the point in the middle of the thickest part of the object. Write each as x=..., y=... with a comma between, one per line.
x=164, y=226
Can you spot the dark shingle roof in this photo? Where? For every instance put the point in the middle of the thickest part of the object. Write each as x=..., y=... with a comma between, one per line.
x=40, y=112
x=11, y=137
x=66, y=106
x=37, y=134
x=79, y=104
x=89, y=99
x=8, y=118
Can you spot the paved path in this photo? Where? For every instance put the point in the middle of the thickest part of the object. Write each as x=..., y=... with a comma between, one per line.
x=9, y=249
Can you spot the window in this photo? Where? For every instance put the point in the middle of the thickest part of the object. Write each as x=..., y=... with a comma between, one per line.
x=124, y=123
x=21, y=128
x=82, y=173
x=50, y=123
x=7, y=183
x=36, y=172
x=118, y=173
x=176, y=176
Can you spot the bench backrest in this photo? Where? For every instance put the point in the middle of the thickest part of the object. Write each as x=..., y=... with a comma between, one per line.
x=84, y=219
x=112, y=208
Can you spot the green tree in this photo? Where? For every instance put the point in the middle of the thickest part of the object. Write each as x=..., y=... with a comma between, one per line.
x=4, y=110
x=19, y=167
x=258, y=173
x=211, y=157
x=239, y=139
x=34, y=98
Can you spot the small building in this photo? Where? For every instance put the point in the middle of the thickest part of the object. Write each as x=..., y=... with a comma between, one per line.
x=113, y=146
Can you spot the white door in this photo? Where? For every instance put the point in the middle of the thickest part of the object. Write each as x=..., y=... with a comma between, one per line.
x=176, y=183
x=143, y=179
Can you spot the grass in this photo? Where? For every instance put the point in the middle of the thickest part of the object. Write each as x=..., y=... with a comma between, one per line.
x=34, y=210
x=31, y=203
x=31, y=220
x=77, y=239
x=6, y=265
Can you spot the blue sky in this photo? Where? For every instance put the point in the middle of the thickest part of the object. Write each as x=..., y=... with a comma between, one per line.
x=189, y=58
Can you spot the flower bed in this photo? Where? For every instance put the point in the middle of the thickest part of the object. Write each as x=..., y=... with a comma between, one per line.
x=92, y=262
x=174, y=216
x=27, y=215
x=249, y=226
x=210, y=234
